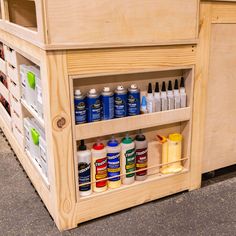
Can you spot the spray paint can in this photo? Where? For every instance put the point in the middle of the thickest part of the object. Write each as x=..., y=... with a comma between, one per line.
x=113, y=163
x=141, y=156
x=107, y=99
x=127, y=160
x=84, y=169
x=80, y=107
x=99, y=167
x=94, y=106
x=133, y=100
x=120, y=102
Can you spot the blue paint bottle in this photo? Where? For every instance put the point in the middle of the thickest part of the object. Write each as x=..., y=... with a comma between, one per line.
x=80, y=107
x=93, y=106
x=120, y=102
x=133, y=100
x=107, y=99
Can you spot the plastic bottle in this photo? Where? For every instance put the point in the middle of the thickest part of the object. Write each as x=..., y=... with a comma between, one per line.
x=99, y=167
x=157, y=98
x=183, y=95
x=141, y=157
x=150, y=99
x=164, y=106
x=84, y=169
x=127, y=160
x=144, y=105
x=177, y=95
x=170, y=97
x=113, y=163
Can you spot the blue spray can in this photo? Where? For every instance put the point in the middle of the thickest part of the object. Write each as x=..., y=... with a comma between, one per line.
x=107, y=98
x=120, y=102
x=93, y=106
x=133, y=100
x=80, y=107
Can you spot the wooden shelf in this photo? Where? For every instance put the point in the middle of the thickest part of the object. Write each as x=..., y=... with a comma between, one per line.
x=32, y=112
x=108, y=127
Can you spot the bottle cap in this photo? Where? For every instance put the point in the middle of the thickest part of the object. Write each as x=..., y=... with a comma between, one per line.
x=175, y=137
x=144, y=101
x=133, y=86
x=120, y=88
x=170, y=85
x=149, y=88
x=92, y=91
x=98, y=146
x=182, y=82
x=163, y=89
x=127, y=140
x=113, y=142
x=157, y=90
x=106, y=89
x=176, y=84
x=82, y=146
x=140, y=137
x=77, y=92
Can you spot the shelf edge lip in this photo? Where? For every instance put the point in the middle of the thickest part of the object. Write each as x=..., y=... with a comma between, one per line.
x=184, y=114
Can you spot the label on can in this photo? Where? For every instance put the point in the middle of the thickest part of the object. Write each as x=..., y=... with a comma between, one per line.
x=107, y=107
x=130, y=162
x=133, y=104
x=120, y=105
x=141, y=161
x=101, y=172
x=84, y=176
x=113, y=166
x=80, y=111
x=94, y=109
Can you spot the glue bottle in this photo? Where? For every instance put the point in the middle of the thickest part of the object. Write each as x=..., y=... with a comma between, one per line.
x=170, y=97
x=113, y=163
x=157, y=98
x=183, y=95
x=127, y=160
x=150, y=99
x=164, y=106
x=99, y=167
x=177, y=95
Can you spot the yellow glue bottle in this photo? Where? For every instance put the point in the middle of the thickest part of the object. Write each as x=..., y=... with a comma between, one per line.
x=164, y=159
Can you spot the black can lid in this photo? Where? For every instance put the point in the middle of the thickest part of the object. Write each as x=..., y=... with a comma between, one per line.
x=157, y=90
x=82, y=146
x=176, y=84
x=182, y=82
x=170, y=85
x=163, y=89
x=149, y=88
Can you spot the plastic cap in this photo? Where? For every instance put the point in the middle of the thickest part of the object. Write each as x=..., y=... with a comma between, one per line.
x=106, y=89
x=176, y=84
x=92, y=91
x=113, y=142
x=77, y=92
x=157, y=90
x=163, y=89
x=133, y=86
x=149, y=88
x=170, y=85
x=82, y=146
x=120, y=87
x=127, y=140
x=144, y=101
x=175, y=137
x=140, y=137
x=98, y=146
x=182, y=82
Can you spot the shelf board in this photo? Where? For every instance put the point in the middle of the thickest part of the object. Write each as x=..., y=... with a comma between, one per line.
x=109, y=127
x=32, y=112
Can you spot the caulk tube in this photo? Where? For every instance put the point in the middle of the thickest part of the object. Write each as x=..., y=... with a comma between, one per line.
x=157, y=98
x=143, y=105
x=113, y=163
x=150, y=99
x=164, y=106
x=84, y=169
x=170, y=97
x=183, y=95
x=177, y=95
x=128, y=160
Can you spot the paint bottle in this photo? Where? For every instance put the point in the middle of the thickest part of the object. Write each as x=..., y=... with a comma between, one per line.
x=177, y=95
x=133, y=100
x=144, y=105
x=150, y=99
x=183, y=95
x=80, y=107
x=164, y=105
x=113, y=163
x=84, y=169
x=120, y=102
x=107, y=99
x=99, y=167
x=157, y=98
x=170, y=97
x=93, y=106
x=141, y=157
x=127, y=160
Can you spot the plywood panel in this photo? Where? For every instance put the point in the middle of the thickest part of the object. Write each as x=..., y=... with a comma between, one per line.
x=220, y=126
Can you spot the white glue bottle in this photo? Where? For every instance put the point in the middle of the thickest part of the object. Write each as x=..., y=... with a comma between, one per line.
x=170, y=97
x=113, y=163
x=157, y=98
x=99, y=167
x=183, y=95
x=163, y=97
x=127, y=160
x=150, y=99
x=141, y=157
x=84, y=169
x=177, y=95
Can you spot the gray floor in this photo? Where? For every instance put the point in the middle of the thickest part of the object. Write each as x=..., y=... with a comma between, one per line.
x=208, y=211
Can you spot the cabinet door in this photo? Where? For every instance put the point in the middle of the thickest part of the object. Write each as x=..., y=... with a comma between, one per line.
x=220, y=126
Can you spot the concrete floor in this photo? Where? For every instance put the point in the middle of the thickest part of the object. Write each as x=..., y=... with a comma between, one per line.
x=208, y=211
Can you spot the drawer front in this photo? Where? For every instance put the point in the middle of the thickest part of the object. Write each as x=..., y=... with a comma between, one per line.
x=17, y=120
x=12, y=73
x=19, y=136
x=15, y=90
x=10, y=55
x=4, y=91
x=122, y=22
x=16, y=105
x=3, y=66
